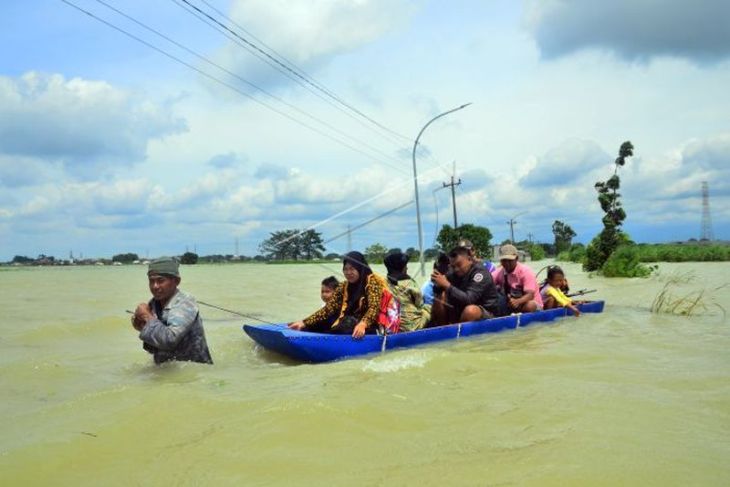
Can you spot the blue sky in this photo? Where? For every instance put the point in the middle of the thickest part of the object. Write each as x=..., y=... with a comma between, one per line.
x=108, y=146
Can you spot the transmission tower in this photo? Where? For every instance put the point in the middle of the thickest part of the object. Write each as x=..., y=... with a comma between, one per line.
x=706, y=232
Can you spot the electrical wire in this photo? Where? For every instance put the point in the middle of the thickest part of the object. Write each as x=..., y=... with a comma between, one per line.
x=291, y=70
x=368, y=222
x=247, y=82
x=221, y=82
x=294, y=72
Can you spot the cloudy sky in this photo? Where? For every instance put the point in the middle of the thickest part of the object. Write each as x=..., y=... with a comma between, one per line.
x=182, y=134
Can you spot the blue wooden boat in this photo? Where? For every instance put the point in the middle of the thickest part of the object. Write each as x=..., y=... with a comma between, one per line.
x=320, y=347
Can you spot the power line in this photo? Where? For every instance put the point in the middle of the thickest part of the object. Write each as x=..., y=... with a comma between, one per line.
x=293, y=65
x=294, y=72
x=221, y=82
x=298, y=73
x=258, y=53
x=249, y=83
x=368, y=222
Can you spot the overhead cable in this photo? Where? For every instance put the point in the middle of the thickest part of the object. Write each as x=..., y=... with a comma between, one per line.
x=294, y=72
x=224, y=83
x=259, y=53
x=249, y=83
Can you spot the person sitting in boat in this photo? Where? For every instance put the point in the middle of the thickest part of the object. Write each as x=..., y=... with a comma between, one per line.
x=564, y=287
x=468, y=291
x=517, y=282
x=329, y=284
x=428, y=290
x=169, y=325
x=474, y=254
x=414, y=314
x=355, y=304
x=552, y=294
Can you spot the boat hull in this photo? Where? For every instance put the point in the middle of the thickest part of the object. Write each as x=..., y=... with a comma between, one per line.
x=320, y=347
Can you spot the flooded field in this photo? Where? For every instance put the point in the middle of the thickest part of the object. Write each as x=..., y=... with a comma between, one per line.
x=623, y=398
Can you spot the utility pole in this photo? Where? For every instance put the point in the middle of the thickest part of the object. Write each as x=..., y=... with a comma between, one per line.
x=453, y=197
x=511, y=224
x=529, y=237
x=236, y=254
x=349, y=239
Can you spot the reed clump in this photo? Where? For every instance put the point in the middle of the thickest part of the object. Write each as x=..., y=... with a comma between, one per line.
x=693, y=303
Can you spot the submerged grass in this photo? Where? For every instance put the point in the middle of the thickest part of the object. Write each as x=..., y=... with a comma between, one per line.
x=693, y=303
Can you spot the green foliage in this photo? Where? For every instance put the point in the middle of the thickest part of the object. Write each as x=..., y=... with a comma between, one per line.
x=577, y=253
x=611, y=237
x=125, y=258
x=376, y=253
x=21, y=259
x=563, y=236
x=684, y=253
x=293, y=245
x=430, y=254
x=599, y=250
x=625, y=262
x=536, y=252
x=413, y=254
x=480, y=236
x=189, y=258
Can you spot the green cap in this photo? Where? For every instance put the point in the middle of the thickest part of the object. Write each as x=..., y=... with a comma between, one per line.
x=164, y=266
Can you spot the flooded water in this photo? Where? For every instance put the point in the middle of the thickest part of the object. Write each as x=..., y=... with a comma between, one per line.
x=623, y=398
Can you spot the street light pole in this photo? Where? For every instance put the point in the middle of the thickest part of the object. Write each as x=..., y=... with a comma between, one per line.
x=415, y=183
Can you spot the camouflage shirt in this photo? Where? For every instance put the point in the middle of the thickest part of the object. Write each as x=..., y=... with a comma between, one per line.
x=413, y=313
x=177, y=331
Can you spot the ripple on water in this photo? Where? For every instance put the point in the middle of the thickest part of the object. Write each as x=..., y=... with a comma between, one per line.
x=400, y=362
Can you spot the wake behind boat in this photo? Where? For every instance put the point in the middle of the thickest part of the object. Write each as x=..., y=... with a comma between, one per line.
x=321, y=347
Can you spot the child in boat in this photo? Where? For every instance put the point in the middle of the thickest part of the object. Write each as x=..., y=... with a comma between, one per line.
x=329, y=284
x=427, y=290
x=552, y=296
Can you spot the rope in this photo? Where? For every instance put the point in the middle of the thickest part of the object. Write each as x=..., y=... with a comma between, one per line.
x=243, y=315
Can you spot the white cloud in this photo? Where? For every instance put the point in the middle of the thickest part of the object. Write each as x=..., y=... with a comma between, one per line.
x=308, y=34
x=228, y=160
x=633, y=29
x=84, y=124
x=569, y=162
x=21, y=171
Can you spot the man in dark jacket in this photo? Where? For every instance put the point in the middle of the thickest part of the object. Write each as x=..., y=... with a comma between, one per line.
x=169, y=325
x=469, y=294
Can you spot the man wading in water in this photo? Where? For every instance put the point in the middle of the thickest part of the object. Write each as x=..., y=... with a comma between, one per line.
x=169, y=325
